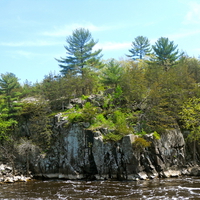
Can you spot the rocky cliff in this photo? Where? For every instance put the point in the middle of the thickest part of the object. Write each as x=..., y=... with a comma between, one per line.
x=80, y=153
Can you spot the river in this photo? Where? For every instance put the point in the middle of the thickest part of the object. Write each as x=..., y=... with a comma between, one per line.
x=172, y=188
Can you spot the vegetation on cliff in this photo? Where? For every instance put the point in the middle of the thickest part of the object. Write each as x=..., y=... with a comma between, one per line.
x=131, y=96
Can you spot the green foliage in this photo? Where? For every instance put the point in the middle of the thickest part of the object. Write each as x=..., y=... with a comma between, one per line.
x=156, y=135
x=84, y=97
x=114, y=99
x=89, y=112
x=141, y=133
x=79, y=50
x=108, y=101
x=193, y=67
x=111, y=74
x=36, y=114
x=118, y=93
x=8, y=82
x=100, y=121
x=140, y=48
x=6, y=128
x=8, y=90
x=167, y=93
x=133, y=82
x=86, y=114
x=166, y=52
x=89, y=82
x=112, y=137
x=140, y=144
x=121, y=126
x=75, y=117
x=115, y=121
x=190, y=116
x=140, y=95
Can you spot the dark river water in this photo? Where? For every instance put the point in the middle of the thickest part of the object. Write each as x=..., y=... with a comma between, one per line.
x=173, y=188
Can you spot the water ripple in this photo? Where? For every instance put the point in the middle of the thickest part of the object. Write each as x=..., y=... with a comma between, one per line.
x=176, y=188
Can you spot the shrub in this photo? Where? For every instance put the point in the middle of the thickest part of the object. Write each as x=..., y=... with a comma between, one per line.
x=156, y=135
x=140, y=143
x=75, y=117
x=121, y=126
x=112, y=136
x=141, y=133
x=86, y=114
x=89, y=112
x=84, y=97
x=101, y=121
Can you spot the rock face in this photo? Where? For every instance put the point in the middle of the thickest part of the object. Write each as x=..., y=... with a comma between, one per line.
x=7, y=176
x=79, y=153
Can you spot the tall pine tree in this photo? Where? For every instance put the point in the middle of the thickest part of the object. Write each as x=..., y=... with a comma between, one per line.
x=8, y=91
x=140, y=48
x=79, y=52
x=166, y=53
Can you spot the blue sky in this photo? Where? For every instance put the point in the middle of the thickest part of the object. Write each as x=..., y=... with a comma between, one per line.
x=33, y=32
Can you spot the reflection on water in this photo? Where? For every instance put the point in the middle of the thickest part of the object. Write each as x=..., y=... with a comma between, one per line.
x=176, y=188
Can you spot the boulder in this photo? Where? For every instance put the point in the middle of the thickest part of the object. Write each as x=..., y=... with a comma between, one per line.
x=195, y=171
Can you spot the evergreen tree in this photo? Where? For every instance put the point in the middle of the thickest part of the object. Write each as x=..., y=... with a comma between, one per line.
x=8, y=85
x=112, y=74
x=140, y=48
x=166, y=53
x=79, y=51
x=37, y=121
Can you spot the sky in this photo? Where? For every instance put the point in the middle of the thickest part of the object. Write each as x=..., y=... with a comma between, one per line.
x=33, y=32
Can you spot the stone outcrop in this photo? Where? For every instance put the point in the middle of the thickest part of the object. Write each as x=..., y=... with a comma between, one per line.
x=79, y=153
x=7, y=176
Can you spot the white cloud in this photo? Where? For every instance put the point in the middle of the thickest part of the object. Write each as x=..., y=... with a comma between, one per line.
x=183, y=34
x=193, y=15
x=67, y=29
x=20, y=53
x=29, y=54
x=113, y=45
x=28, y=43
x=25, y=54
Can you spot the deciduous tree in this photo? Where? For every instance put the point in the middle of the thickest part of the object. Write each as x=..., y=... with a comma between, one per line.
x=190, y=115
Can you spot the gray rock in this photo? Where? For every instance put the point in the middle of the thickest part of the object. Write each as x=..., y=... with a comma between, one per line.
x=80, y=153
x=195, y=171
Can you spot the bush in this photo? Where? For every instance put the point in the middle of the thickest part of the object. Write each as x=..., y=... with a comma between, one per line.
x=121, y=126
x=89, y=112
x=86, y=114
x=140, y=144
x=141, y=133
x=156, y=135
x=101, y=121
x=112, y=136
x=75, y=117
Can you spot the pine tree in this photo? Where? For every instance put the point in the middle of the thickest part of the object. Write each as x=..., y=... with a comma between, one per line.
x=166, y=53
x=140, y=48
x=112, y=73
x=79, y=51
x=8, y=85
